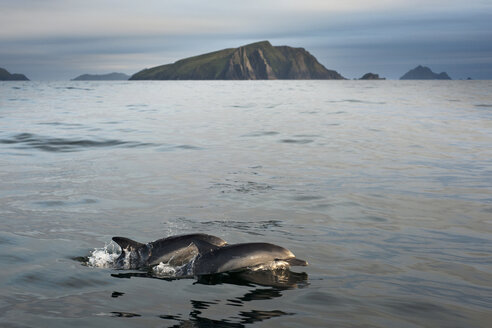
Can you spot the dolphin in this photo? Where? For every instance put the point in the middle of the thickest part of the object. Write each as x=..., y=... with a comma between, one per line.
x=175, y=250
x=240, y=257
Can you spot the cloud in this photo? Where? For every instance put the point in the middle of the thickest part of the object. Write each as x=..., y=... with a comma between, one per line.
x=53, y=18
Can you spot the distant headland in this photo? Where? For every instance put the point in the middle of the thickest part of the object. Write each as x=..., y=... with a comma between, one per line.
x=424, y=73
x=6, y=76
x=256, y=61
x=102, y=77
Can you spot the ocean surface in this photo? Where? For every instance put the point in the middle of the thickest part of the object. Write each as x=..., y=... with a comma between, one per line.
x=384, y=187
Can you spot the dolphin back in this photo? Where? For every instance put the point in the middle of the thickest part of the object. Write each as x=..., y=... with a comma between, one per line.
x=180, y=249
x=174, y=250
x=205, y=246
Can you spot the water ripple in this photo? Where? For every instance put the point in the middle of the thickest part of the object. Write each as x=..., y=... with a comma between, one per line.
x=260, y=134
x=50, y=144
x=296, y=141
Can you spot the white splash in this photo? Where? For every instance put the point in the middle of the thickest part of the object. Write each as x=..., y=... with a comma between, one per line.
x=164, y=270
x=271, y=266
x=104, y=257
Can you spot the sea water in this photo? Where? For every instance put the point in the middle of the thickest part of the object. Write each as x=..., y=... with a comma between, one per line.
x=384, y=187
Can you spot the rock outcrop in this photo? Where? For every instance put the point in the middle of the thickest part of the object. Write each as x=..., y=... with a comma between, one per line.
x=371, y=76
x=256, y=61
x=102, y=77
x=6, y=76
x=424, y=73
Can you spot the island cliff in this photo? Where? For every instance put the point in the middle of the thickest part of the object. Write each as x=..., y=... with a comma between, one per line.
x=256, y=61
x=6, y=76
x=424, y=73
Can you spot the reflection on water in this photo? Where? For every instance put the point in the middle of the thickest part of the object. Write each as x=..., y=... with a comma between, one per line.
x=281, y=278
x=197, y=318
x=245, y=317
x=277, y=282
x=275, y=278
x=124, y=314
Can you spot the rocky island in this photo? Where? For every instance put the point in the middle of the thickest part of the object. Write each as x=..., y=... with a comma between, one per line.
x=6, y=76
x=424, y=73
x=102, y=77
x=371, y=76
x=256, y=61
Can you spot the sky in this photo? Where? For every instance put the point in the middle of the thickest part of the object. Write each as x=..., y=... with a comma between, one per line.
x=61, y=39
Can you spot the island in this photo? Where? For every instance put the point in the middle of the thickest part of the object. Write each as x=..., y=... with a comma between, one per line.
x=6, y=76
x=256, y=61
x=424, y=73
x=102, y=77
x=372, y=76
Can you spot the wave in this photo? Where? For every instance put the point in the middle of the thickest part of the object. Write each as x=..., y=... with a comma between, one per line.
x=260, y=134
x=50, y=144
x=296, y=141
x=357, y=101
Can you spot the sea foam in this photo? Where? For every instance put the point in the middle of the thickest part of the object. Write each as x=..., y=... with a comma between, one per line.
x=104, y=257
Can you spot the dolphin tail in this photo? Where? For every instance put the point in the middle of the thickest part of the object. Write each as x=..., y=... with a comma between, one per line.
x=296, y=262
x=126, y=243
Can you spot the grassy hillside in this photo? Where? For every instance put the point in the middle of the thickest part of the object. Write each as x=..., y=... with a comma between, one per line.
x=258, y=60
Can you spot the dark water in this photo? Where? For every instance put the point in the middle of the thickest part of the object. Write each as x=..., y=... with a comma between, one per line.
x=385, y=187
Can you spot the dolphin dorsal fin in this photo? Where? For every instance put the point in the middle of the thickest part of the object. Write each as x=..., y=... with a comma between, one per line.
x=126, y=243
x=204, y=247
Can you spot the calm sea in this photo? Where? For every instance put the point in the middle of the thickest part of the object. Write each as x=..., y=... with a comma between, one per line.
x=385, y=187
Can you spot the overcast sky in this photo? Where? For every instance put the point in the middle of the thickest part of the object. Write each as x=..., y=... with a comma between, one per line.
x=60, y=39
